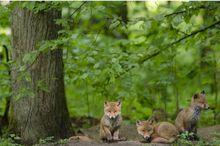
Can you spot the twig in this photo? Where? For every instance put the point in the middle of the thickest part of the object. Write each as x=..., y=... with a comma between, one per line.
x=179, y=31
x=194, y=9
x=83, y=3
x=96, y=37
x=175, y=13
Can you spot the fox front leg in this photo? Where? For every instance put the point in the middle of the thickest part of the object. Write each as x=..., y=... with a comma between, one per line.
x=107, y=133
x=116, y=135
x=194, y=136
x=160, y=140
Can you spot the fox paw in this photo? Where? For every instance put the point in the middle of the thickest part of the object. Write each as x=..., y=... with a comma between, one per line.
x=194, y=137
x=122, y=139
x=108, y=140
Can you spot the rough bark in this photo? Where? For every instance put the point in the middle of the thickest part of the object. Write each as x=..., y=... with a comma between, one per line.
x=43, y=113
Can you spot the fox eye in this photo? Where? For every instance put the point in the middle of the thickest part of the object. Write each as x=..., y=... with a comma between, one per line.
x=202, y=102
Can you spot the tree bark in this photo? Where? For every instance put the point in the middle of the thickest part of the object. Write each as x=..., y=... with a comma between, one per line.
x=42, y=113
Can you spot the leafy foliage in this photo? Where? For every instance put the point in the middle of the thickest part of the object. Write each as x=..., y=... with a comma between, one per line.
x=148, y=54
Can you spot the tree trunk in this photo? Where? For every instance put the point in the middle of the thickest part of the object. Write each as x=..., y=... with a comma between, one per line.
x=38, y=113
x=4, y=120
x=215, y=85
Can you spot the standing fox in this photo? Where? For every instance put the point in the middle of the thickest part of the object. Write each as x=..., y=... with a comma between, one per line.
x=162, y=132
x=187, y=118
x=111, y=121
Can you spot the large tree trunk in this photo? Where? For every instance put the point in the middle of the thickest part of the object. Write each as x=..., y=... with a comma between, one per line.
x=38, y=113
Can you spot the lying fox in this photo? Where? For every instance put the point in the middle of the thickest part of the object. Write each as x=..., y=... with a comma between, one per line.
x=187, y=118
x=162, y=132
x=111, y=122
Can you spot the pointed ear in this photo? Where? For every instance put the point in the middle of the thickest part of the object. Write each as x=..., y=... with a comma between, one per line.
x=119, y=103
x=195, y=96
x=203, y=92
x=138, y=123
x=105, y=103
x=151, y=121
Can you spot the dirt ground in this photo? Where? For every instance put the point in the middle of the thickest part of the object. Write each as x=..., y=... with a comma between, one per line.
x=124, y=143
x=133, y=138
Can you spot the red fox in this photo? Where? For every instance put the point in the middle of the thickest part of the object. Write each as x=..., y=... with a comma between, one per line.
x=162, y=132
x=187, y=118
x=111, y=121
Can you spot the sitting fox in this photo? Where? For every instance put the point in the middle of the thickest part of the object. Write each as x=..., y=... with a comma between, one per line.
x=111, y=121
x=162, y=132
x=187, y=118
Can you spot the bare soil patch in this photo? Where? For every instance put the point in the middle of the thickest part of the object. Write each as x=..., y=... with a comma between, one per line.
x=129, y=131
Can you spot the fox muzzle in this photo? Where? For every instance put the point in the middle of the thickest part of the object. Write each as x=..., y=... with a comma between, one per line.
x=147, y=138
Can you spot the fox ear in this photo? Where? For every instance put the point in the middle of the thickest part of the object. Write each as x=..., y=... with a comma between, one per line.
x=105, y=103
x=203, y=92
x=151, y=121
x=119, y=103
x=138, y=123
x=195, y=96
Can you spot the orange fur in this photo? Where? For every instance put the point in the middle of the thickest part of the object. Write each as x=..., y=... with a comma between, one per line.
x=111, y=121
x=187, y=118
x=163, y=132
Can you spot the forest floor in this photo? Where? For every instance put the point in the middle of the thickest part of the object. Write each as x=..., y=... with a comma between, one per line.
x=91, y=137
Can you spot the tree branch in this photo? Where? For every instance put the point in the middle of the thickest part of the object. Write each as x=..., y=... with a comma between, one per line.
x=175, y=13
x=142, y=60
x=147, y=57
x=83, y=3
x=193, y=9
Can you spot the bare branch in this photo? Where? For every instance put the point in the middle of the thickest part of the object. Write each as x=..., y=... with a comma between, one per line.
x=190, y=9
x=175, y=13
x=83, y=3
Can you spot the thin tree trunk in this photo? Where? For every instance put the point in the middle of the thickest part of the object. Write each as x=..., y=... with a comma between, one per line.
x=42, y=113
x=174, y=82
x=8, y=99
x=163, y=92
x=215, y=86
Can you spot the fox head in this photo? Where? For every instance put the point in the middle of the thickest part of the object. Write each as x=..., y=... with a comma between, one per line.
x=145, y=128
x=199, y=100
x=112, y=109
